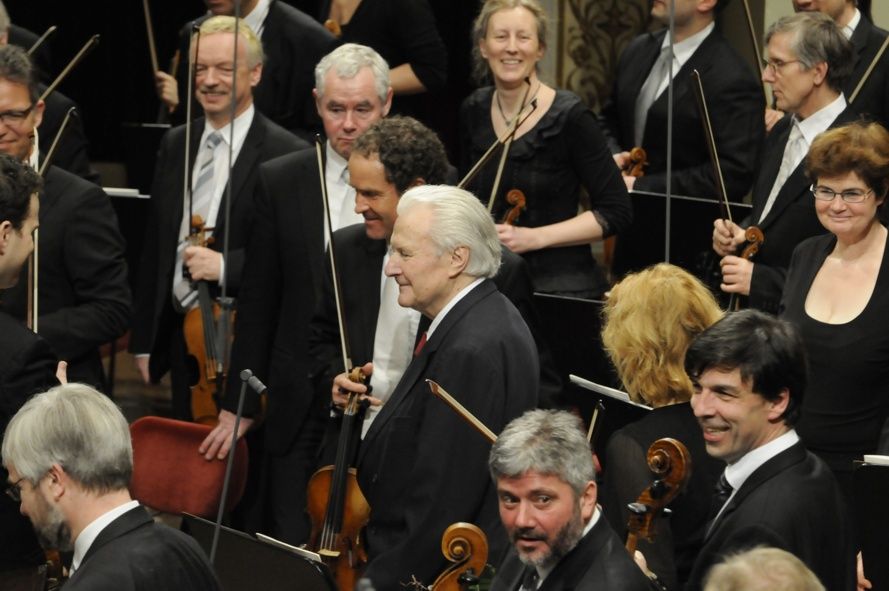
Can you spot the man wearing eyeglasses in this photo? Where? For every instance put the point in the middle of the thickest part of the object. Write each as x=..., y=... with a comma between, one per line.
x=27, y=364
x=83, y=296
x=808, y=61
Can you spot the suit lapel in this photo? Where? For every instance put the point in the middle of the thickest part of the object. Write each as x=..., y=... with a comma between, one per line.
x=132, y=519
x=418, y=365
x=639, y=73
x=369, y=273
x=181, y=203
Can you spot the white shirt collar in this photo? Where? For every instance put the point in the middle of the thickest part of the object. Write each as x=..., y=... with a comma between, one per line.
x=849, y=29
x=242, y=125
x=738, y=473
x=91, y=532
x=819, y=121
x=335, y=164
x=444, y=311
x=256, y=18
x=34, y=158
x=542, y=573
x=683, y=50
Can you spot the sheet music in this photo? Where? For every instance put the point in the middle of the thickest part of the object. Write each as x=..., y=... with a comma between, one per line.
x=605, y=391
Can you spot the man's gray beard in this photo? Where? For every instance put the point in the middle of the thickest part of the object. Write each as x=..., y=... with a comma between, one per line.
x=53, y=533
x=565, y=541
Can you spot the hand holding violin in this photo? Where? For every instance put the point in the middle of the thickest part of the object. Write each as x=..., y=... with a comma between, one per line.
x=727, y=237
x=518, y=239
x=343, y=386
x=204, y=264
x=737, y=273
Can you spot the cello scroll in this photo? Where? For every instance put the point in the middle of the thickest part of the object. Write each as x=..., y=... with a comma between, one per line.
x=466, y=546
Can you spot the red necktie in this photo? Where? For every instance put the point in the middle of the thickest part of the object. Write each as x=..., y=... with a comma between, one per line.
x=422, y=343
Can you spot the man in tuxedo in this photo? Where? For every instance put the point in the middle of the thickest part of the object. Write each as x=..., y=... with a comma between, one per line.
x=69, y=457
x=283, y=276
x=165, y=294
x=546, y=487
x=419, y=463
x=84, y=298
x=872, y=100
x=809, y=61
x=292, y=41
x=636, y=115
x=395, y=154
x=27, y=364
x=749, y=376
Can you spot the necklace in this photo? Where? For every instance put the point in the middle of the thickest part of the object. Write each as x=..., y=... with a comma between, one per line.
x=508, y=121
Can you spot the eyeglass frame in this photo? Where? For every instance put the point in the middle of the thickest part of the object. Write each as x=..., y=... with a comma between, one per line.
x=17, y=116
x=14, y=491
x=844, y=195
x=775, y=66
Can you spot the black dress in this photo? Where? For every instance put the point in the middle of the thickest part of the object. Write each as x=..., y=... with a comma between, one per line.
x=563, y=155
x=847, y=398
x=679, y=537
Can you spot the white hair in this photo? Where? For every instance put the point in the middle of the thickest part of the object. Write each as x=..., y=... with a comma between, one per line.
x=347, y=60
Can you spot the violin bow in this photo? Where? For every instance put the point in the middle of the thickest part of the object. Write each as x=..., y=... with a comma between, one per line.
x=46, y=34
x=461, y=410
x=756, y=51
x=505, y=152
x=87, y=47
x=698, y=89
x=867, y=72
x=149, y=29
x=489, y=153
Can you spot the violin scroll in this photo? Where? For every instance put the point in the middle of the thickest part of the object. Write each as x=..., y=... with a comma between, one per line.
x=637, y=162
x=516, y=198
x=466, y=546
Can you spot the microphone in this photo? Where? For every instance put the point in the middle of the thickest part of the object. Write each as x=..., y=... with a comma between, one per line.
x=255, y=384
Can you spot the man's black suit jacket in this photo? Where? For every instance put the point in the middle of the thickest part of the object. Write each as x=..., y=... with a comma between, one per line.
x=735, y=104
x=154, y=318
x=282, y=278
x=84, y=297
x=293, y=43
x=72, y=151
x=360, y=261
x=599, y=561
x=421, y=466
x=790, y=502
x=133, y=553
x=27, y=366
x=872, y=99
x=791, y=219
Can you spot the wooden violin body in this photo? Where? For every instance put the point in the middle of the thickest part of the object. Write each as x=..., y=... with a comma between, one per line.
x=670, y=462
x=754, y=238
x=337, y=507
x=466, y=546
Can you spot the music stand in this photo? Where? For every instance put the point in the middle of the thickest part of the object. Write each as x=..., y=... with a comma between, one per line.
x=245, y=563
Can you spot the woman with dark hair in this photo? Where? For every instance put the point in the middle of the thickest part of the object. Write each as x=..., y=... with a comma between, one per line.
x=837, y=294
x=650, y=319
x=558, y=154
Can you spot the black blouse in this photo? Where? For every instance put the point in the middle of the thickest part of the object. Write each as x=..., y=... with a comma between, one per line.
x=564, y=155
x=847, y=398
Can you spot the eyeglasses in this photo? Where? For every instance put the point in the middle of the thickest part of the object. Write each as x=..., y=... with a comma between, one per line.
x=14, y=492
x=15, y=117
x=776, y=65
x=849, y=196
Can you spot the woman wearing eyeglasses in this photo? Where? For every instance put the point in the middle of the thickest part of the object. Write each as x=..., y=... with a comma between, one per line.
x=837, y=293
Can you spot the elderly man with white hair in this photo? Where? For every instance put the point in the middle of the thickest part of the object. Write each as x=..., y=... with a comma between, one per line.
x=420, y=465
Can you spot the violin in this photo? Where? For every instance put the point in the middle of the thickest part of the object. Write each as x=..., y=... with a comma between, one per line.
x=201, y=341
x=754, y=238
x=337, y=508
x=516, y=198
x=636, y=164
x=466, y=547
x=670, y=462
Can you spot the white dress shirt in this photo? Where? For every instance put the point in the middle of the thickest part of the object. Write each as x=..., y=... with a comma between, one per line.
x=682, y=52
x=89, y=534
x=340, y=194
x=444, y=311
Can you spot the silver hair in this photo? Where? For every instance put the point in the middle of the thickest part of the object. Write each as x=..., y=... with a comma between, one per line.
x=549, y=442
x=347, y=60
x=762, y=568
x=459, y=219
x=816, y=39
x=76, y=427
x=4, y=19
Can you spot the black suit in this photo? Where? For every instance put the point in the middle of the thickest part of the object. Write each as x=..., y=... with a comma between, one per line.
x=156, y=326
x=25, y=39
x=790, y=502
x=133, y=553
x=360, y=261
x=791, y=219
x=735, y=104
x=27, y=366
x=420, y=466
x=293, y=43
x=84, y=299
x=72, y=150
x=599, y=561
x=282, y=274
x=872, y=99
